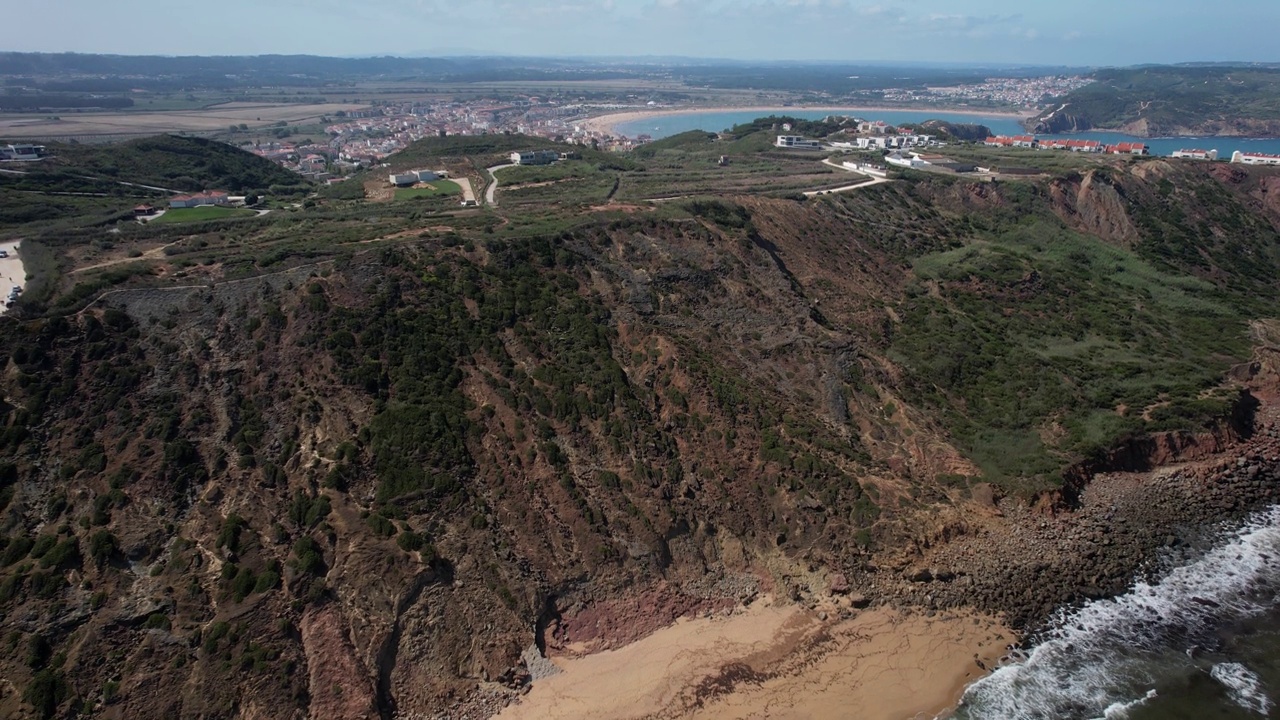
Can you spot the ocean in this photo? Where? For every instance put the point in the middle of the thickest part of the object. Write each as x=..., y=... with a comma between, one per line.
x=666, y=125
x=1199, y=642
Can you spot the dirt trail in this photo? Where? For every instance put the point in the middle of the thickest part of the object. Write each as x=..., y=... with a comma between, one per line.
x=155, y=253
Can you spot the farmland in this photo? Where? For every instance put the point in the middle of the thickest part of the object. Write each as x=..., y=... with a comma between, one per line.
x=106, y=125
x=201, y=214
x=438, y=188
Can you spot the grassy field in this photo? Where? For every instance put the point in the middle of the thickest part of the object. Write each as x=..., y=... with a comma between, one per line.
x=201, y=214
x=438, y=188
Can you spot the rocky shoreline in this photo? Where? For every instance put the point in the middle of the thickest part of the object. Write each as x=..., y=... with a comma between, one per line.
x=1026, y=562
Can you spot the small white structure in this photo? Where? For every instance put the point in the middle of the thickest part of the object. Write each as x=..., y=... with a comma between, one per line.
x=403, y=179
x=1196, y=154
x=1244, y=158
x=908, y=161
x=796, y=142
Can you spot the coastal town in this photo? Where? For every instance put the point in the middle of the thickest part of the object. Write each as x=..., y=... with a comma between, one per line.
x=363, y=138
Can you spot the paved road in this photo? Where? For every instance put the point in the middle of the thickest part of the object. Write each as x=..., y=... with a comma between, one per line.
x=468, y=193
x=490, y=195
x=846, y=188
x=875, y=180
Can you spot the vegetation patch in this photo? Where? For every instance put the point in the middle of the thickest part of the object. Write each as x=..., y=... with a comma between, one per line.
x=201, y=214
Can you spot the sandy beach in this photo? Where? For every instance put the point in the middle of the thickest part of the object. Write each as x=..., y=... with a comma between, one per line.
x=777, y=661
x=608, y=123
x=12, y=273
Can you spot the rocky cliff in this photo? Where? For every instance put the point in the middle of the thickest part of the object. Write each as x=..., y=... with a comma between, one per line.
x=388, y=483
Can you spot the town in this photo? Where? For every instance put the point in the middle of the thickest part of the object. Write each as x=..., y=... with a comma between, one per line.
x=364, y=138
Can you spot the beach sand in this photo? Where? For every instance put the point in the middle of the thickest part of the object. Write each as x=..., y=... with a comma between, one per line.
x=777, y=661
x=607, y=124
x=12, y=273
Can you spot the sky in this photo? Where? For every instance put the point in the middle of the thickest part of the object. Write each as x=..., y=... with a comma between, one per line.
x=1034, y=32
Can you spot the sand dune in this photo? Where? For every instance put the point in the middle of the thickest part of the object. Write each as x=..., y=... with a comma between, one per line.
x=776, y=661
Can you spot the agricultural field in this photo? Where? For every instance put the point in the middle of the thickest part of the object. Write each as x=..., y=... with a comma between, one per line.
x=138, y=123
x=201, y=214
x=438, y=188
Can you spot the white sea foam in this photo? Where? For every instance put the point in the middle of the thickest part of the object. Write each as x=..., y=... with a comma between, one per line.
x=1120, y=710
x=1110, y=653
x=1244, y=688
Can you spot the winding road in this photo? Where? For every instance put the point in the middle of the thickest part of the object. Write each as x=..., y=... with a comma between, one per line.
x=874, y=180
x=490, y=194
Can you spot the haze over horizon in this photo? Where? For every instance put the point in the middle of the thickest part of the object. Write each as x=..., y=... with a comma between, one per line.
x=1087, y=32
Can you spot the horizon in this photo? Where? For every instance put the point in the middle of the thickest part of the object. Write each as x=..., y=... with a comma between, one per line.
x=668, y=59
x=979, y=33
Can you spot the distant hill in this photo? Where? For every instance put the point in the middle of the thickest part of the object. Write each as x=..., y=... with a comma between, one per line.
x=179, y=163
x=959, y=131
x=1170, y=101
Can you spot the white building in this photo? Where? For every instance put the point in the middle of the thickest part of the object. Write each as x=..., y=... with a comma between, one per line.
x=1196, y=154
x=407, y=178
x=796, y=142
x=1245, y=158
x=866, y=168
x=22, y=152
x=535, y=157
x=909, y=161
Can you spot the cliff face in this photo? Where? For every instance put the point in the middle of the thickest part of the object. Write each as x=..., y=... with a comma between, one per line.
x=1092, y=204
x=368, y=486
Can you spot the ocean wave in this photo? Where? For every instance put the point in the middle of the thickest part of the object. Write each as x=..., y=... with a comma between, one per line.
x=1243, y=686
x=1109, y=654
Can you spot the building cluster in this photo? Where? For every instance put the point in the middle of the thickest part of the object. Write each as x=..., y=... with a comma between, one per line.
x=1086, y=146
x=1019, y=92
x=894, y=142
x=1194, y=154
x=363, y=139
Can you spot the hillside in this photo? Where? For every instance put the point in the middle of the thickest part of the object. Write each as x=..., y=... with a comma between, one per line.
x=175, y=162
x=1167, y=101
x=354, y=458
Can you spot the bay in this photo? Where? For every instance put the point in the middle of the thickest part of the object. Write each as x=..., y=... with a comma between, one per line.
x=660, y=126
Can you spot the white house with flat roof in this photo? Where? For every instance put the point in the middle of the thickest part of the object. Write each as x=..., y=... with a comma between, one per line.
x=796, y=142
x=1244, y=158
x=535, y=157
